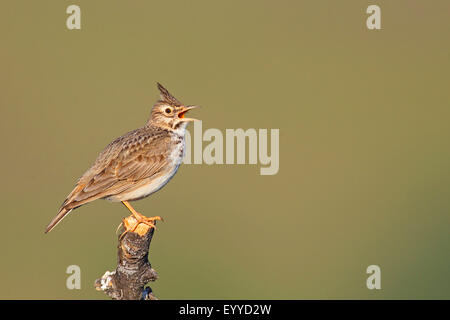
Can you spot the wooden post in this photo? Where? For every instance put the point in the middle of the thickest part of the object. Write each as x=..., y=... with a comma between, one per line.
x=133, y=269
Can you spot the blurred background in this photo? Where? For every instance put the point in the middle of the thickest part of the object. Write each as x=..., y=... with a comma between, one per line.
x=364, y=160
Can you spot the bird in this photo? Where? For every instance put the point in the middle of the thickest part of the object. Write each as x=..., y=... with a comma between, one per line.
x=137, y=164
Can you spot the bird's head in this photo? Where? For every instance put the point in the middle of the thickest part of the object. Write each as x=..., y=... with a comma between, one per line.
x=169, y=113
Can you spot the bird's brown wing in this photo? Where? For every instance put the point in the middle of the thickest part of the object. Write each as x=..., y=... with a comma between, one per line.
x=124, y=164
x=116, y=172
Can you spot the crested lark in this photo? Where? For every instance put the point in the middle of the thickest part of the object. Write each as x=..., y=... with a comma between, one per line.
x=136, y=164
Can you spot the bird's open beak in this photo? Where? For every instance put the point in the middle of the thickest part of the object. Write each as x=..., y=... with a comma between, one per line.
x=183, y=112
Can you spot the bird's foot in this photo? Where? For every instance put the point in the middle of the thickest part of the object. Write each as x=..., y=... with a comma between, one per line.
x=139, y=224
x=144, y=220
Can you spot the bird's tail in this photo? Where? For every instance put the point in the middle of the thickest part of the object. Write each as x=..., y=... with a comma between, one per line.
x=61, y=214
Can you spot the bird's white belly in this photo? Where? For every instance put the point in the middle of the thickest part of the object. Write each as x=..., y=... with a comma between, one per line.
x=154, y=185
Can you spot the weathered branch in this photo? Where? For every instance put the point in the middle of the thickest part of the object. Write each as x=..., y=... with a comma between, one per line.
x=133, y=269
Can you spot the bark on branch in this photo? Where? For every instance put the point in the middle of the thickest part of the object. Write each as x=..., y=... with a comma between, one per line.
x=133, y=269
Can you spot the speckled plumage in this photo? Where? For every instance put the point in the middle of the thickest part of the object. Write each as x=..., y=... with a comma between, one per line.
x=136, y=164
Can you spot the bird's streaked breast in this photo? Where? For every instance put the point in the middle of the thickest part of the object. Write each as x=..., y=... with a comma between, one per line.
x=154, y=184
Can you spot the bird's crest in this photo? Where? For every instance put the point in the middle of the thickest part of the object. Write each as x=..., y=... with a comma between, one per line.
x=166, y=96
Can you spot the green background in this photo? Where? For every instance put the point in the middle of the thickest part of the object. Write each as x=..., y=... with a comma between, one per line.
x=364, y=159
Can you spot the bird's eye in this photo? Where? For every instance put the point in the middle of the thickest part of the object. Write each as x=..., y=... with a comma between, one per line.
x=168, y=110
